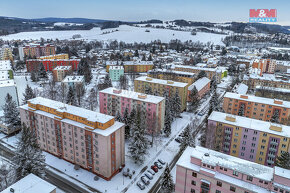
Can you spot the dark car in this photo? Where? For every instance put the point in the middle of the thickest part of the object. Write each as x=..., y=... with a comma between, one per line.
x=154, y=168
x=161, y=161
x=145, y=180
x=159, y=166
x=178, y=139
x=141, y=185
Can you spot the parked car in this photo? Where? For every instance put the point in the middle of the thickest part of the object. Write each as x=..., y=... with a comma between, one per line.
x=151, y=172
x=148, y=175
x=159, y=166
x=161, y=161
x=145, y=180
x=154, y=168
x=178, y=139
x=140, y=185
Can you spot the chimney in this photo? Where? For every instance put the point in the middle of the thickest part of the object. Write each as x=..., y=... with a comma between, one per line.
x=279, y=102
x=231, y=118
x=244, y=96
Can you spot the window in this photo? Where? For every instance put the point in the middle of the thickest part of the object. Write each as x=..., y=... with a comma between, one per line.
x=261, y=181
x=192, y=191
x=233, y=189
x=193, y=183
x=235, y=173
x=217, y=191
x=194, y=174
x=218, y=183
x=249, y=178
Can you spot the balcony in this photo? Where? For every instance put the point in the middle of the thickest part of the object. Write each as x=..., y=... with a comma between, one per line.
x=228, y=132
x=270, y=161
x=273, y=149
x=227, y=137
x=271, y=155
x=227, y=143
x=273, y=143
x=226, y=149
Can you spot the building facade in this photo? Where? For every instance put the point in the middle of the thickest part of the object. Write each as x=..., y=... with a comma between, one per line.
x=249, y=139
x=202, y=85
x=6, y=53
x=115, y=72
x=132, y=66
x=92, y=140
x=159, y=87
x=265, y=65
x=256, y=107
x=60, y=72
x=114, y=100
x=49, y=65
x=54, y=57
x=210, y=72
x=207, y=171
x=36, y=50
x=267, y=80
x=173, y=75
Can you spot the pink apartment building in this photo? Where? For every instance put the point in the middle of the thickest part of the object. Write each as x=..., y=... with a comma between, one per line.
x=113, y=100
x=207, y=171
x=202, y=85
x=92, y=140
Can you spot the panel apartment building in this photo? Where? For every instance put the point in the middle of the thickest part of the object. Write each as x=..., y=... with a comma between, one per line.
x=159, y=86
x=203, y=170
x=36, y=50
x=113, y=100
x=249, y=139
x=86, y=138
x=256, y=107
x=50, y=64
x=136, y=66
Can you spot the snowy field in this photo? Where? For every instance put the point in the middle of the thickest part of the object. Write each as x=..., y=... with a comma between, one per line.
x=128, y=34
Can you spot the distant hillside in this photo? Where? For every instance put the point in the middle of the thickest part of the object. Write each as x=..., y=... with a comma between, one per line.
x=69, y=20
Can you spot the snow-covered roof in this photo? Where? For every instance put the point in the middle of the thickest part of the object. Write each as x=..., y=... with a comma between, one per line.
x=73, y=79
x=245, y=122
x=282, y=172
x=136, y=62
x=116, y=68
x=133, y=95
x=252, y=98
x=242, y=89
x=62, y=107
x=196, y=68
x=5, y=83
x=5, y=65
x=41, y=57
x=4, y=75
x=30, y=184
x=62, y=68
x=215, y=158
x=283, y=63
x=199, y=84
x=40, y=60
x=171, y=71
x=160, y=81
x=268, y=77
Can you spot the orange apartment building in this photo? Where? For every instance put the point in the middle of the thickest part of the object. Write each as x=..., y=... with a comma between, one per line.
x=256, y=107
x=265, y=65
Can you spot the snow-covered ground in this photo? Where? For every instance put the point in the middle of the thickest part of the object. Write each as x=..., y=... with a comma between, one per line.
x=125, y=33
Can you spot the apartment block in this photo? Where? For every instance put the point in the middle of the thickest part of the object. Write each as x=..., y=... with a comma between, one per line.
x=256, y=107
x=54, y=57
x=159, y=87
x=210, y=72
x=60, y=72
x=113, y=100
x=36, y=50
x=135, y=66
x=50, y=64
x=246, y=138
x=6, y=53
x=73, y=81
x=204, y=170
x=265, y=65
x=91, y=140
x=202, y=86
x=166, y=74
x=282, y=66
x=115, y=72
x=268, y=80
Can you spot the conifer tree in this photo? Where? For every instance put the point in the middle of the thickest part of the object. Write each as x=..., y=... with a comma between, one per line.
x=29, y=157
x=187, y=138
x=241, y=110
x=92, y=99
x=28, y=94
x=201, y=74
x=42, y=72
x=11, y=113
x=275, y=117
x=167, y=184
x=168, y=114
x=283, y=160
x=71, y=98
x=126, y=120
x=194, y=100
x=176, y=105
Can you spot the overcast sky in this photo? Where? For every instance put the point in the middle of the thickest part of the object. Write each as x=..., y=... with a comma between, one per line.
x=138, y=10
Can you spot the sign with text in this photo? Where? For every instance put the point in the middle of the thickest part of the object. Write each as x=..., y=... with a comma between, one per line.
x=263, y=15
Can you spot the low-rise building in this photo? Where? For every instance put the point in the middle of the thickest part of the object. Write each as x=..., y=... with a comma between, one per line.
x=7, y=86
x=204, y=170
x=91, y=140
x=159, y=87
x=116, y=72
x=60, y=72
x=6, y=71
x=73, y=81
x=256, y=107
x=31, y=184
x=173, y=75
x=250, y=139
x=202, y=85
x=50, y=64
x=114, y=101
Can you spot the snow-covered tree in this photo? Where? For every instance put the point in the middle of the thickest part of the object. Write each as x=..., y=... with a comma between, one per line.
x=126, y=119
x=176, y=105
x=213, y=84
x=123, y=82
x=42, y=72
x=132, y=118
x=33, y=76
x=7, y=176
x=167, y=184
x=214, y=103
x=79, y=91
x=138, y=145
x=29, y=157
x=107, y=82
x=85, y=69
x=11, y=113
x=118, y=117
x=283, y=160
x=194, y=100
x=28, y=94
x=188, y=138
x=201, y=74
x=168, y=114
x=275, y=117
x=148, y=90
x=71, y=98
x=92, y=99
